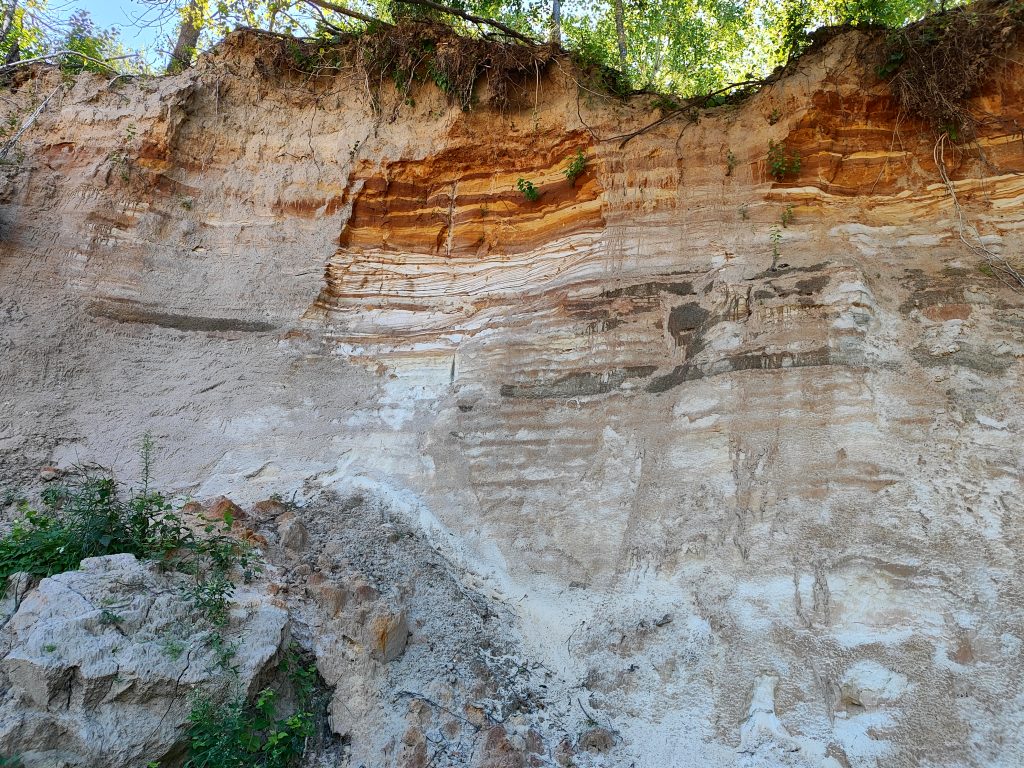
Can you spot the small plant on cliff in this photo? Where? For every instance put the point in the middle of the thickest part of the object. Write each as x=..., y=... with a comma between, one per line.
x=576, y=167
x=528, y=190
x=239, y=734
x=730, y=162
x=782, y=162
x=210, y=596
x=775, y=236
x=91, y=515
x=172, y=647
x=121, y=158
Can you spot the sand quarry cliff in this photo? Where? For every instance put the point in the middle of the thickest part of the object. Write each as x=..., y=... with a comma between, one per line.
x=684, y=464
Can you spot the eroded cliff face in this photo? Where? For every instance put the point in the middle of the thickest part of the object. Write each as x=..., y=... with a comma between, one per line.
x=735, y=462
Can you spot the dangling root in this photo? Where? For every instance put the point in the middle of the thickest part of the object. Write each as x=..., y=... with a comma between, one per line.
x=969, y=234
x=937, y=63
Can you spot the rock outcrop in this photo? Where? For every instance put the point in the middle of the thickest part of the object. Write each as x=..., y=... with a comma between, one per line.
x=101, y=665
x=720, y=461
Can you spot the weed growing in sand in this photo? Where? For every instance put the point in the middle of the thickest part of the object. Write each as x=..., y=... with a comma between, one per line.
x=781, y=161
x=237, y=733
x=528, y=190
x=121, y=158
x=92, y=515
x=576, y=167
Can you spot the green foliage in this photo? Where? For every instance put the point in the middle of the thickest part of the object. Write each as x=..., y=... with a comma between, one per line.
x=787, y=217
x=440, y=78
x=782, y=162
x=109, y=618
x=302, y=676
x=681, y=47
x=87, y=518
x=93, y=43
x=224, y=652
x=28, y=31
x=91, y=516
x=172, y=647
x=210, y=596
x=692, y=47
x=666, y=103
x=576, y=167
x=240, y=734
x=894, y=59
x=528, y=190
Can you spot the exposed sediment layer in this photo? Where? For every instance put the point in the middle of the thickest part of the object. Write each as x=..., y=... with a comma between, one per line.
x=740, y=453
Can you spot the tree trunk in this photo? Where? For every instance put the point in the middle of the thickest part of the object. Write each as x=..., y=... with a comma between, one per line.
x=13, y=53
x=188, y=38
x=556, y=22
x=620, y=30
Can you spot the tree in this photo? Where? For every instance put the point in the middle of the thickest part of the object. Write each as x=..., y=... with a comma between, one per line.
x=8, y=39
x=620, y=33
x=685, y=47
x=25, y=26
x=193, y=17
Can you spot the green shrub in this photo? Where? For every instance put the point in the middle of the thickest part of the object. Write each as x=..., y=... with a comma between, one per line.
x=576, y=167
x=210, y=597
x=89, y=518
x=92, y=516
x=239, y=734
x=782, y=162
x=528, y=190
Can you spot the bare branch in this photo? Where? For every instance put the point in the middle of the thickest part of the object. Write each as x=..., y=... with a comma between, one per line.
x=9, y=144
x=59, y=54
x=345, y=11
